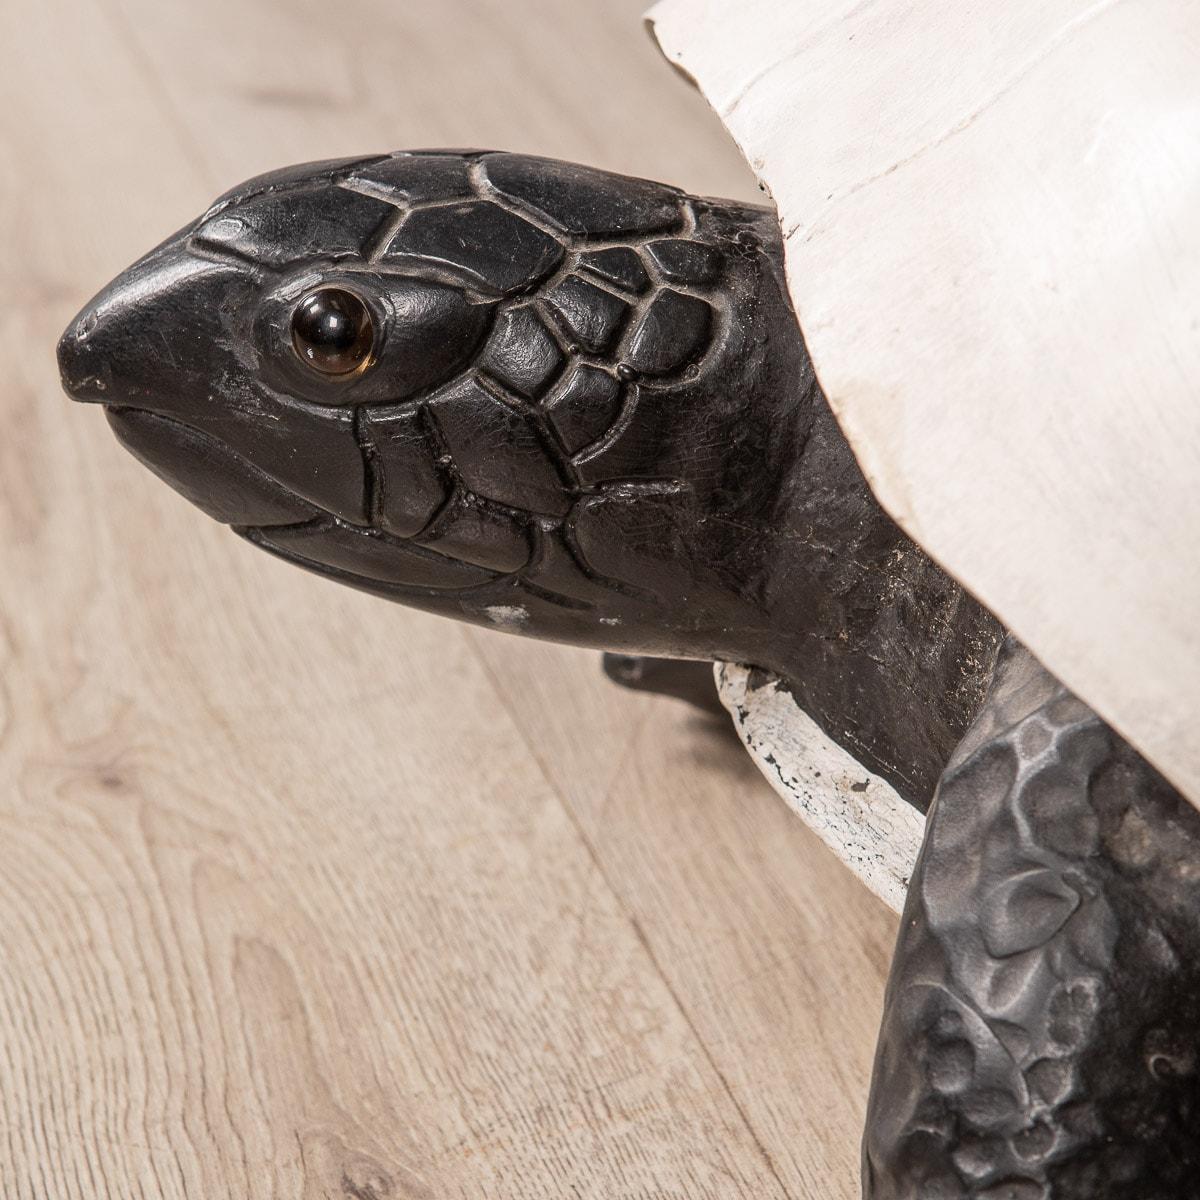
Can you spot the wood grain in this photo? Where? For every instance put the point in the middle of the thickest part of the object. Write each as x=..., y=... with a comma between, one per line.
x=307, y=896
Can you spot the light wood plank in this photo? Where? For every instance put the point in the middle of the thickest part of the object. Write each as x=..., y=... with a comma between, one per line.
x=775, y=951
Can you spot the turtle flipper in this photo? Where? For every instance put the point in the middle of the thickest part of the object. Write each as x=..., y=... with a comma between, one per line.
x=1041, y=1031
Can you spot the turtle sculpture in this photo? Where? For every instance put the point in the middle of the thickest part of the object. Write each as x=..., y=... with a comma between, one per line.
x=579, y=406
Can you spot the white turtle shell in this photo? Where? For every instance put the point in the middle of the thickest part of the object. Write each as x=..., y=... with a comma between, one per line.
x=992, y=220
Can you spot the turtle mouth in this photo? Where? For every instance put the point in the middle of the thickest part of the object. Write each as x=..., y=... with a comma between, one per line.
x=369, y=559
x=231, y=489
x=203, y=469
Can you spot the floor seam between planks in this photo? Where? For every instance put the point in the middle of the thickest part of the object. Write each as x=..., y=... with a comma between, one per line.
x=634, y=923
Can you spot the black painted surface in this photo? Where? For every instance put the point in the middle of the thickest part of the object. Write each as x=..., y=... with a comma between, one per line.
x=1041, y=1035
x=586, y=399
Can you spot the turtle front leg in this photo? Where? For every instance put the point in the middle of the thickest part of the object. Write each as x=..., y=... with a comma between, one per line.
x=1041, y=1031
x=682, y=678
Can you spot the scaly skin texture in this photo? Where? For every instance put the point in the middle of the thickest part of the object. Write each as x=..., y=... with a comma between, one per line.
x=1041, y=1036
x=588, y=415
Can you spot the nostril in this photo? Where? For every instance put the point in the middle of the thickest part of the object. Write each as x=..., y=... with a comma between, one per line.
x=83, y=372
x=85, y=325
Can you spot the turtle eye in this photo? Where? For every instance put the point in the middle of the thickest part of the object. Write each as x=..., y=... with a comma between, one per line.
x=332, y=331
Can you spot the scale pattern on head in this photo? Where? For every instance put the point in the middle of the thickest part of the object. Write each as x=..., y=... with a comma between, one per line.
x=535, y=348
x=532, y=394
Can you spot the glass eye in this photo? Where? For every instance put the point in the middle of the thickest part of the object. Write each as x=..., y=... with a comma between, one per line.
x=332, y=331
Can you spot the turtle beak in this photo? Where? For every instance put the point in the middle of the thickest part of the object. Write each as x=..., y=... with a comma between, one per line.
x=143, y=339
x=166, y=349
x=98, y=361
x=86, y=374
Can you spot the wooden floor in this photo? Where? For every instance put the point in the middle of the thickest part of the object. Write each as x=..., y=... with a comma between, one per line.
x=306, y=896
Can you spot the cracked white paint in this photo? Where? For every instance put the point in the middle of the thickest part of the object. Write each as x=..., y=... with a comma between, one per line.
x=858, y=815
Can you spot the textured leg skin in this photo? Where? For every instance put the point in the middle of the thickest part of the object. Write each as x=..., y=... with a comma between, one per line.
x=682, y=678
x=1041, y=1032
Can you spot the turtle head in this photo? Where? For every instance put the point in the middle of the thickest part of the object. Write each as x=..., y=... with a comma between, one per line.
x=506, y=389
x=232, y=359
